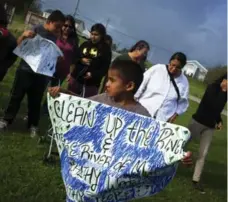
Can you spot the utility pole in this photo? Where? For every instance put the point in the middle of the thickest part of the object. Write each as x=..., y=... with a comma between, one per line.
x=106, y=26
x=76, y=8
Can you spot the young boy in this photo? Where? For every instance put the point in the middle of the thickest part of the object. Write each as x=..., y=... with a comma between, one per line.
x=124, y=79
x=28, y=82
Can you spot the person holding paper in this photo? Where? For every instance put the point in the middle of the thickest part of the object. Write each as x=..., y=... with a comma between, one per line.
x=28, y=82
x=7, y=44
x=93, y=63
x=68, y=43
x=164, y=90
x=206, y=119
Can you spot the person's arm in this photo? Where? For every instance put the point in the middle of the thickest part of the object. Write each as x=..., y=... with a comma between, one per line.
x=214, y=101
x=146, y=79
x=25, y=35
x=183, y=103
x=10, y=57
x=54, y=91
x=102, y=70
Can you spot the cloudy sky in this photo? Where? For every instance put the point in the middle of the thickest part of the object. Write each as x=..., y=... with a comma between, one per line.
x=196, y=27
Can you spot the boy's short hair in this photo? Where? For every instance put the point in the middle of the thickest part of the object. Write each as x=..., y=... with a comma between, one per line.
x=56, y=16
x=129, y=71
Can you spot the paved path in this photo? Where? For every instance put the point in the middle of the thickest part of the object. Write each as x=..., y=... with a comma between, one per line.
x=196, y=99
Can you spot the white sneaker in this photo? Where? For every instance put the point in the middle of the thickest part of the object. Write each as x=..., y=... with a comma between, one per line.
x=3, y=125
x=33, y=132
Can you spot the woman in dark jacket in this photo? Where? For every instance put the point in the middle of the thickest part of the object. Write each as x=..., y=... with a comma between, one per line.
x=92, y=65
x=206, y=119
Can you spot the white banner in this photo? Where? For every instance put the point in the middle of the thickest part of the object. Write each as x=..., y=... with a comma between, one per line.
x=109, y=154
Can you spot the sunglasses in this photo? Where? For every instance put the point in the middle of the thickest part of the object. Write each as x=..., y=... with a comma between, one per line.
x=68, y=26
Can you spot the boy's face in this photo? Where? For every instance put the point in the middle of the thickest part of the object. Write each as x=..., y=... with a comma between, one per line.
x=115, y=85
x=55, y=27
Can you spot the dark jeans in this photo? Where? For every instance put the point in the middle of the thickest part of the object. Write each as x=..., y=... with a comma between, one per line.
x=77, y=88
x=34, y=86
x=53, y=82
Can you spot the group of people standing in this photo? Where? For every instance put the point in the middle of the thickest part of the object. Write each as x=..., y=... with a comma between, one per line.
x=161, y=92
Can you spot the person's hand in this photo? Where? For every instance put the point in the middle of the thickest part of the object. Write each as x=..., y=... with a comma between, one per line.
x=173, y=118
x=219, y=126
x=86, y=61
x=54, y=91
x=28, y=34
x=88, y=75
x=60, y=58
x=187, y=160
x=68, y=78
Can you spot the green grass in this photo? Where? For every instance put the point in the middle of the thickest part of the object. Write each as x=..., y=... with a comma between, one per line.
x=196, y=88
x=25, y=178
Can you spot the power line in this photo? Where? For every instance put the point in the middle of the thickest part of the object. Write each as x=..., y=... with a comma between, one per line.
x=124, y=34
x=106, y=26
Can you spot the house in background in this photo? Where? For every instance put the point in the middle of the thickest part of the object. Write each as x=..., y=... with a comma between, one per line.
x=46, y=14
x=80, y=25
x=195, y=70
x=33, y=19
x=10, y=10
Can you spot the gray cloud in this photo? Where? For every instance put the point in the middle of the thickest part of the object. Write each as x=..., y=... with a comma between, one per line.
x=196, y=27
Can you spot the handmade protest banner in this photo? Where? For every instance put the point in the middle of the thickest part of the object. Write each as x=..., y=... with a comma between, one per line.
x=109, y=154
x=41, y=54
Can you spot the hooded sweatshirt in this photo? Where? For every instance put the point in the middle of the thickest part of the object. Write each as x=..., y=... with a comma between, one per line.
x=100, y=55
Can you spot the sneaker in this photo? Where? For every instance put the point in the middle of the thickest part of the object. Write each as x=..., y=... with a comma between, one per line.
x=3, y=125
x=198, y=187
x=33, y=132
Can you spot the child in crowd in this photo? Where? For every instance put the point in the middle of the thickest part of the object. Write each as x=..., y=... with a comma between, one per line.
x=7, y=44
x=28, y=82
x=124, y=79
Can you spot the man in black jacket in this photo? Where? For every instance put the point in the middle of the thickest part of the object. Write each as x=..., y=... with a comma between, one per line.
x=205, y=120
x=8, y=44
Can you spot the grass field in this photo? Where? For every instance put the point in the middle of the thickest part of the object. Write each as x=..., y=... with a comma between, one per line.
x=25, y=178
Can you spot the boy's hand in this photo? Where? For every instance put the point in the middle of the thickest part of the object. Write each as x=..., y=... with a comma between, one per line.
x=54, y=91
x=173, y=118
x=28, y=34
x=187, y=160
